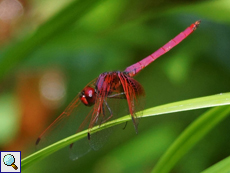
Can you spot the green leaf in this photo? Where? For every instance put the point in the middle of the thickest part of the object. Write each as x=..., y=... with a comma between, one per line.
x=63, y=20
x=189, y=138
x=197, y=103
x=223, y=166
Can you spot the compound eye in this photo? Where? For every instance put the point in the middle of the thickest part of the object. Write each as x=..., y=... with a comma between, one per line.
x=88, y=96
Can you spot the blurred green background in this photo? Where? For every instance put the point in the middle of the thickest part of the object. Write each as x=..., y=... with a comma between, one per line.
x=43, y=67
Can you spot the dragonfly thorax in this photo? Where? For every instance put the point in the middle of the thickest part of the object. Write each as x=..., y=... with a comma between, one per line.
x=109, y=82
x=88, y=96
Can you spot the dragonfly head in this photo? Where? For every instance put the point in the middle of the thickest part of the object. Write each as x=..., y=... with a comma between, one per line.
x=88, y=96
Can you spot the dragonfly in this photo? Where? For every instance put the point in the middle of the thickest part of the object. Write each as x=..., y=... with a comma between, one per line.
x=103, y=99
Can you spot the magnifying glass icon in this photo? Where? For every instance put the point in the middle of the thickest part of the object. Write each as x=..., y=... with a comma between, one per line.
x=9, y=160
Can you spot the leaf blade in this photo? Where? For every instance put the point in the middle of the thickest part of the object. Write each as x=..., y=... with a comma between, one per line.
x=191, y=104
x=190, y=137
x=223, y=166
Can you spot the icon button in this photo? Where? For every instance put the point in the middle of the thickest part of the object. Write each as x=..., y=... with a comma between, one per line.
x=9, y=160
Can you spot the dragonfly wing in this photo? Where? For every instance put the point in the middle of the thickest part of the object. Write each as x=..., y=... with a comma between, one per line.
x=135, y=96
x=75, y=118
x=96, y=140
x=100, y=114
x=112, y=109
x=99, y=139
x=55, y=130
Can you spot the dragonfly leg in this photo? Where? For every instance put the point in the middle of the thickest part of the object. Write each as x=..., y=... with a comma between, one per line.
x=103, y=113
x=88, y=136
x=135, y=124
x=95, y=121
x=118, y=96
x=125, y=125
x=97, y=115
x=110, y=111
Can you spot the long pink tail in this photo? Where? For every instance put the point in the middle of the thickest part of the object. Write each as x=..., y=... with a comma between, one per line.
x=137, y=67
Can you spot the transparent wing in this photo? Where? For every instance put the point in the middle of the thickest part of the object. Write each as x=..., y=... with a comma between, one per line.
x=75, y=118
x=103, y=109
